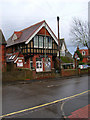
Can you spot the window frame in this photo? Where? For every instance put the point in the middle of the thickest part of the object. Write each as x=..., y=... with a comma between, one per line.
x=41, y=42
x=46, y=43
x=50, y=43
x=36, y=42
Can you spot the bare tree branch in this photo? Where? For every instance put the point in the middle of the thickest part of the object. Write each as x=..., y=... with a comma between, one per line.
x=79, y=32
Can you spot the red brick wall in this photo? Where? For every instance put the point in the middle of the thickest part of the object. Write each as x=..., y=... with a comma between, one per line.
x=68, y=73
x=37, y=56
x=9, y=50
x=85, y=60
x=27, y=63
x=86, y=51
x=2, y=57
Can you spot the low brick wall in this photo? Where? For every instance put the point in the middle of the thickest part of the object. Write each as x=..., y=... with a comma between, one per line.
x=25, y=75
x=68, y=72
x=30, y=75
x=44, y=75
x=16, y=75
x=73, y=72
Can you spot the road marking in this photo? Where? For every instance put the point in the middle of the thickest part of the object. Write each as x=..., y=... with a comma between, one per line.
x=43, y=105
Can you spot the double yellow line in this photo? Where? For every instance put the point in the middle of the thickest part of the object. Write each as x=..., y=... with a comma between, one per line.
x=43, y=105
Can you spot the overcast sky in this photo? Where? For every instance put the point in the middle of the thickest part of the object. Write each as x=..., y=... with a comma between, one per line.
x=16, y=15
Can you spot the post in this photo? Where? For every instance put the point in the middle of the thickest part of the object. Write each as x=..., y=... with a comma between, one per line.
x=45, y=42
x=59, y=46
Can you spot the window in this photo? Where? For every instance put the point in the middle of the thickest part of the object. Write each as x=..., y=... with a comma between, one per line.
x=50, y=43
x=14, y=37
x=83, y=52
x=36, y=41
x=46, y=42
x=62, y=53
x=31, y=63
x=40, y=42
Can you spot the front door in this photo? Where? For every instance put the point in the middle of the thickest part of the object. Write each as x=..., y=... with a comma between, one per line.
x=39, y=65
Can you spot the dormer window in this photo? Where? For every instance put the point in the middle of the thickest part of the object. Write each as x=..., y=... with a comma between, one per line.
x=83, y=52
x=14, y=37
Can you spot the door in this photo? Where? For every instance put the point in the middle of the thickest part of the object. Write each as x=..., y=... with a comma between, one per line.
x=39, y=65
x=48, y=64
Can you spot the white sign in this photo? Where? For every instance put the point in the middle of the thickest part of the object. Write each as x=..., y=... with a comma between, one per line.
x=20, y=64
x=19, y=60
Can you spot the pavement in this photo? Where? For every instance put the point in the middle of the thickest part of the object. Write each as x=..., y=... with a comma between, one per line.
x=83, y=112
x=57, y=98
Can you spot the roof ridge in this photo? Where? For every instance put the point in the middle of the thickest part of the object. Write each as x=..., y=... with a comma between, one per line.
x=32, y=25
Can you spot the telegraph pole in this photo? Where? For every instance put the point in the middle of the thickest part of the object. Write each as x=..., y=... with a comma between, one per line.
x=45, y=61
x=89, y=28
x=59, y=45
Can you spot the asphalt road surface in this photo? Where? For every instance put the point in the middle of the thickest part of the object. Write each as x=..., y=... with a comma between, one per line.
x=55, y=98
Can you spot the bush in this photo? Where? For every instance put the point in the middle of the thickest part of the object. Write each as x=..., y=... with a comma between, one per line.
x=81, y=63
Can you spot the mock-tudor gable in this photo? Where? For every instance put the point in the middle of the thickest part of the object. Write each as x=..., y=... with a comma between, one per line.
x=38, y=46
x=26, y=35
x=45, y=25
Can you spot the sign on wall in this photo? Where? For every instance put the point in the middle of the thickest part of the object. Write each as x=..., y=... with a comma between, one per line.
x=19, y=63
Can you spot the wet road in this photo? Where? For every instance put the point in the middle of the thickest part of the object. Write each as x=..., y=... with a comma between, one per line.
x=23, y=95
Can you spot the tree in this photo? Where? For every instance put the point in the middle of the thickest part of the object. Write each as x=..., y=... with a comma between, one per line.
x=79, y=55
x=79, y=32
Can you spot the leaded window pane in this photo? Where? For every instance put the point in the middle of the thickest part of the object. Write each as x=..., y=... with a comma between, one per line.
x=36, y=41
x=40, y=42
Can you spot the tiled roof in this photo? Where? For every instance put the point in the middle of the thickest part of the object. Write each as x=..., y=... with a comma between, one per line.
x=2, y=38
x=25, y=34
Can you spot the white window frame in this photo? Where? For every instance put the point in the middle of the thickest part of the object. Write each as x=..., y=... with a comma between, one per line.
x=31, y=62
x=62, y=53
x=50, y=43
x=14, y=37
x=83, y=52
x=40, y=41
x=46, y=42
x=36, y=41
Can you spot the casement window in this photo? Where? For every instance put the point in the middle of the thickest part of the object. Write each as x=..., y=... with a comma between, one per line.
x=46, y=42
x=36, y=41
x=40, y=42
x=50, y=43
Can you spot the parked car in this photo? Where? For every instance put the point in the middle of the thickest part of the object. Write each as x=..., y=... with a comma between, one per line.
x=83, y=66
